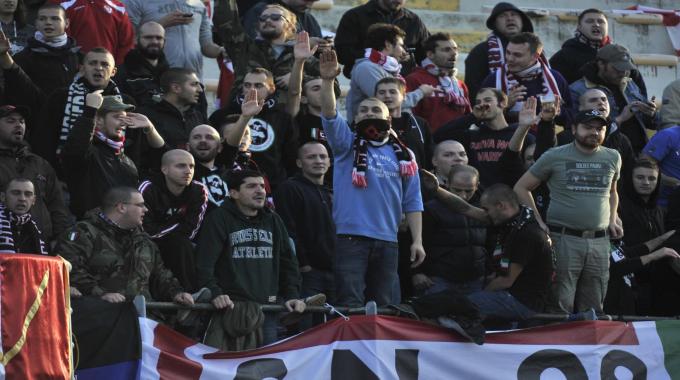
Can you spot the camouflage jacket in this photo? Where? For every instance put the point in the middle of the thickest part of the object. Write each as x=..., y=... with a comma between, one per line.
x=108, y=259
x=247, y=53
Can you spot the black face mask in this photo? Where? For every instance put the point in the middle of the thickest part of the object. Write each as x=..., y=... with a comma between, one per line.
x=373, y=129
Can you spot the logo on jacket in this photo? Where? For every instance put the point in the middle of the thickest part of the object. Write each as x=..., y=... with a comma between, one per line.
x=262, y=134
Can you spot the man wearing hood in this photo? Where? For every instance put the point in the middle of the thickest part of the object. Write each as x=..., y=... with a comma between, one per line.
x=611, y=73
x=306, y=21
x=505, y=21
x=51, y=57
x=244, y=252
x=274, y=140
x=352, y=32
x=375, y=182
x=140, y=74
x=642, y=220
x=591, y=35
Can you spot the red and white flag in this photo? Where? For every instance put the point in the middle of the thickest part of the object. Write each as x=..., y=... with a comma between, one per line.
x=380, y=347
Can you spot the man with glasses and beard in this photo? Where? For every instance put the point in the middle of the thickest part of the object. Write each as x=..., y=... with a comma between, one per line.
x=140, y=75
x=582, y=215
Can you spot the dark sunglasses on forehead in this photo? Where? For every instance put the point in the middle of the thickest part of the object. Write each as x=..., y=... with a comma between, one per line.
x=273, y=17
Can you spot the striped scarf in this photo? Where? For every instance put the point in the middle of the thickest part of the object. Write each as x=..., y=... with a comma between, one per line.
x=506, y=80
x=389, y=64
x=496, y=55
x=452, y=93
x=7, y=220
x=75, y=105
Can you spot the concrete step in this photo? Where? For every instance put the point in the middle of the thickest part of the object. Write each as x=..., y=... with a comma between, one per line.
x=435, y=5
x=476, y=6
x=647, y=35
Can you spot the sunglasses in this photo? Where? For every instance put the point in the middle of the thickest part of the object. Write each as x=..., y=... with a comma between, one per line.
x=273, y=17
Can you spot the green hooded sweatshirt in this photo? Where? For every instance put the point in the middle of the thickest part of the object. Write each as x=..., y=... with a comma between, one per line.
x=247, y=258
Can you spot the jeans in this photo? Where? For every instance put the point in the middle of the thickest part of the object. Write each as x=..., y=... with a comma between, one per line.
x=464, y=288
x=365, y=269
x=314, y=282
x=500, y=304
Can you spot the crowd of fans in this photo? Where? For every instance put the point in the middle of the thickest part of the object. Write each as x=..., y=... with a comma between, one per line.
x=530, y=186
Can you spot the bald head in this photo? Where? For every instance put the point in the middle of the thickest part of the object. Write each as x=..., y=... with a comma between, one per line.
x=151, y=40
x=205, y=144
x=204, y=129
x=175, y=155
x=448, y=154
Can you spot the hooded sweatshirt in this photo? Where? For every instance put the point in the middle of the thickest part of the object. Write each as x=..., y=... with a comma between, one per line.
x=247, y=258
x=49, y=67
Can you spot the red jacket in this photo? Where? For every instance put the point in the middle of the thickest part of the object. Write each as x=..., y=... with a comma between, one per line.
x=432, y=108
x=104, y=23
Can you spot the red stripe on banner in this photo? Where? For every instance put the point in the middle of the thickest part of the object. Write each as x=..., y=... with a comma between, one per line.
x=172, y=363
x=393, y=328
x=571, y=334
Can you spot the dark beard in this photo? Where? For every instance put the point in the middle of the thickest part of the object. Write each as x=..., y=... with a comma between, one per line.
x=151, y=54
x=270, y=34
x=585, y=143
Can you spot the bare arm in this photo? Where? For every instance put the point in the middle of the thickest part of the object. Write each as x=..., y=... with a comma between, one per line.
x=615, y=229
x=328, y=66
x=233, y=134
x=302, y=52
x=415, y=225
x=523, y=188
x=450, y=200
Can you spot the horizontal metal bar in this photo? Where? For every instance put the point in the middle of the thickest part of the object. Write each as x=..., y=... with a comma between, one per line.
x=387, y=311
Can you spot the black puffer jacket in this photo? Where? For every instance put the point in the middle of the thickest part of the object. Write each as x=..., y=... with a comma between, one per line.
x=91, y=167
x=455, y=244
x=50, y=68
x=139, y=79
x=49, y=211
x=351, y=34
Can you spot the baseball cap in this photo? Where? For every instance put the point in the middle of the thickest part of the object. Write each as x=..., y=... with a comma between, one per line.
x=115, y=103
x=7, y=109
x=586, y=116
x=617, y=55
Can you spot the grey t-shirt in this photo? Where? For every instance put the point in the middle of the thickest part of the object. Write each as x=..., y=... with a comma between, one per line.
x=579, y=185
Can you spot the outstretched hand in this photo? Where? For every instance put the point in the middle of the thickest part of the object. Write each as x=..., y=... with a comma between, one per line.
x=527, y=115
x=137, y=120
x=328, y=65
x=5, y=44
x=429, y=180
x=251, y=105
x=302, y=49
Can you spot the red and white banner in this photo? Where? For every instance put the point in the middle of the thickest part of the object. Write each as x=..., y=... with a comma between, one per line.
x=34, y=313
x=380, y=347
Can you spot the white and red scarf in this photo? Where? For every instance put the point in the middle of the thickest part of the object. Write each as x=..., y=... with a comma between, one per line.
x=389, y=64
x=117, y=146
x=496, y=52
x=506, y=80
x=451, y=92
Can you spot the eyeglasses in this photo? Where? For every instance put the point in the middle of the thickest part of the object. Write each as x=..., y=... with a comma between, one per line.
x=273, y=17
x=140, y=204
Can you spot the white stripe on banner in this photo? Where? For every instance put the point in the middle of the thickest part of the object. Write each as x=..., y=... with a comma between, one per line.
x=633, y=352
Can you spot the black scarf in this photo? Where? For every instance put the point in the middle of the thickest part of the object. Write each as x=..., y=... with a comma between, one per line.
x=10, y=221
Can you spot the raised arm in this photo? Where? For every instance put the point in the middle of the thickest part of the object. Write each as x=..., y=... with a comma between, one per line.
x=450, y=200
x=250, y=107
x=302, y=52
x=328, y=68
